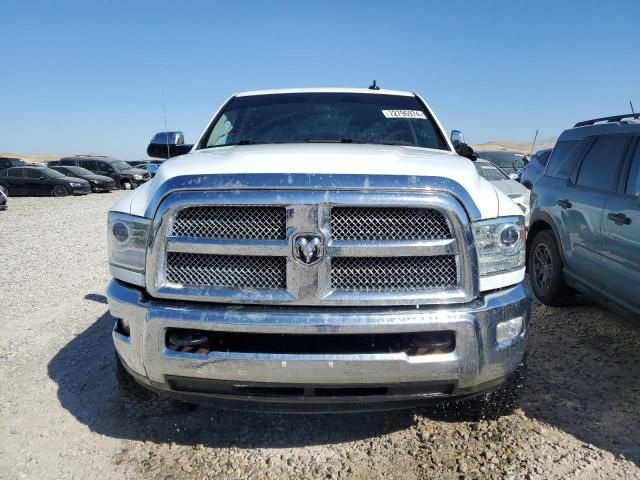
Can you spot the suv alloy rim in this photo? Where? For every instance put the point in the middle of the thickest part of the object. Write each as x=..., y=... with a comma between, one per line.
x=542, y=266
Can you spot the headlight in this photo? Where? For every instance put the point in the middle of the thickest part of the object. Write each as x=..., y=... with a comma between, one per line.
x=137, y=176
x=127, y=239
x=500, y=243
x=74, y=184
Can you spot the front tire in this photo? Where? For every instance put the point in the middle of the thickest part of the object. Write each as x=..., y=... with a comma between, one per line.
x=126, y=185
x=497, y=403
x=545, y=270
x=59, y=191
x=137, y=399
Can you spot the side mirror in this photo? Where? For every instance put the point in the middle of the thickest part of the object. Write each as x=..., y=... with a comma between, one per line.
x=167, y=145
x=457, y=137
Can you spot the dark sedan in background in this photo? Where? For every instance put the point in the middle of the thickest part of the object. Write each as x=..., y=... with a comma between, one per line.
x=41, y=181
x=99, y=183
x=125, y=176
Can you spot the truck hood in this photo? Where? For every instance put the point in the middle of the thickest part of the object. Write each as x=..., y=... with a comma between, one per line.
x=364, y=165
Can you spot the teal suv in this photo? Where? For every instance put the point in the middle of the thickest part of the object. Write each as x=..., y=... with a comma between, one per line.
x=585, y=216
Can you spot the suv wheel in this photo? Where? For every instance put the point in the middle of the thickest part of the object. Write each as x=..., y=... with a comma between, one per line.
x=545, y=270
x=126, y=185
x=59, y=191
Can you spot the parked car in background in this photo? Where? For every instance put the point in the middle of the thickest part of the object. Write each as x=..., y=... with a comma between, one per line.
x=509, y=161
x=137, y=163
x=29, y=180
x=8, y=162
x=514, y=189
x=152, y=168
x=125, y=176
x=535, y=168
x=99, y=183
x=585, y=215
x=3, y=199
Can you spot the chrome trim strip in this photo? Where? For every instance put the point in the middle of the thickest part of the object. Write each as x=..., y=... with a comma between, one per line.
x=227, y=247
x=392, y=249
x=129, y=276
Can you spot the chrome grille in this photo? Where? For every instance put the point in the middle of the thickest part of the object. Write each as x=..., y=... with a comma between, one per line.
x=376, y=248
x=373, y=223
x=226, y=271
x=393, y=274
x=244, y=223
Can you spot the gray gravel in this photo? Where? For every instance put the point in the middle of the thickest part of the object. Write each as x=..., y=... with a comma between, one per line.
x=60, y=416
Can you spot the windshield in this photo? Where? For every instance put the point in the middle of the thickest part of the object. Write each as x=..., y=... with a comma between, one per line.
x=120, y=165
x=78, y=171
x=490, y=171
x=504, y=160
x=325, y=118
x=50, y=172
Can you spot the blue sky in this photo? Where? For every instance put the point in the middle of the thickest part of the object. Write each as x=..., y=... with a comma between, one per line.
x=91, y=76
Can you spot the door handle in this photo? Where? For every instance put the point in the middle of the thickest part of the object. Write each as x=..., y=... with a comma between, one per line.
x=619, y=218
x=564, y=203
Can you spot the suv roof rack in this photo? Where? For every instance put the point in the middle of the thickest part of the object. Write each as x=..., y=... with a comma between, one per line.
x=614, y=118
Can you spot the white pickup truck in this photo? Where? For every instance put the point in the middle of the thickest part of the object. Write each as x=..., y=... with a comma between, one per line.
x=319, y=250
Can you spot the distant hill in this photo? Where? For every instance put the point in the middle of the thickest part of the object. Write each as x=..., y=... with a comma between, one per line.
x=521, y=147
x=33, y=158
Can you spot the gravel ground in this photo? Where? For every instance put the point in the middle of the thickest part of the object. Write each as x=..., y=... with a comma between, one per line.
x=60, y=416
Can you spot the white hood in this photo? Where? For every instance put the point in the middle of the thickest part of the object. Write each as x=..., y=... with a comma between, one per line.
x=312, y=159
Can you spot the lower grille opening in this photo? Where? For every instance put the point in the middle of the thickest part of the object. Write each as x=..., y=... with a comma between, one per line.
x=267, y=391
x=301, y=391
x=413, y=344
x=350, y=391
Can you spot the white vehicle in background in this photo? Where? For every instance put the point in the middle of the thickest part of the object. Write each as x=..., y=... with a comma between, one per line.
x=516, y=191
x=319, y=250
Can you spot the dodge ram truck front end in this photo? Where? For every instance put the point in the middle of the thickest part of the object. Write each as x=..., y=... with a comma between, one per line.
x=320, y=276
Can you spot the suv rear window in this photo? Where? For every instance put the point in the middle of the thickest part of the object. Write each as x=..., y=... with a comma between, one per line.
x=558, y=167
x=633, y=181
x=543, y=158
x=600, y=167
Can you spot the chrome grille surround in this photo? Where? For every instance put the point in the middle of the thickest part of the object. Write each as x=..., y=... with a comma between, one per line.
x=246, y=223
x=384, y=223
x=309, y=211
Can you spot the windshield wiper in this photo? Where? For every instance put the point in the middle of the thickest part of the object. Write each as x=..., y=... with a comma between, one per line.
x=241, y=142
x=333, y=140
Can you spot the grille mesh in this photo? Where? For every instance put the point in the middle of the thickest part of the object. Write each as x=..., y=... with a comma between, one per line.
x=226, y=271
x=366, y=223
x=393, y=274
x=246, y=223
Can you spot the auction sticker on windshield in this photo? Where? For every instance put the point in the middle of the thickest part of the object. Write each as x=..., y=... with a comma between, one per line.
x=404, y=114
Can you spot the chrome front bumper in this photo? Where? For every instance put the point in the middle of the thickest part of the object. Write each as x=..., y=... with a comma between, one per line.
x=477, y=363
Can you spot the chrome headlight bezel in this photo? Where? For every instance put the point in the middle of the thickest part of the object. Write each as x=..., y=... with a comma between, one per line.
x=498, y=251
x=127, y=238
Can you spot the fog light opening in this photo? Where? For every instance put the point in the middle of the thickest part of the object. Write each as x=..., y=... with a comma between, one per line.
x=509, y=329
